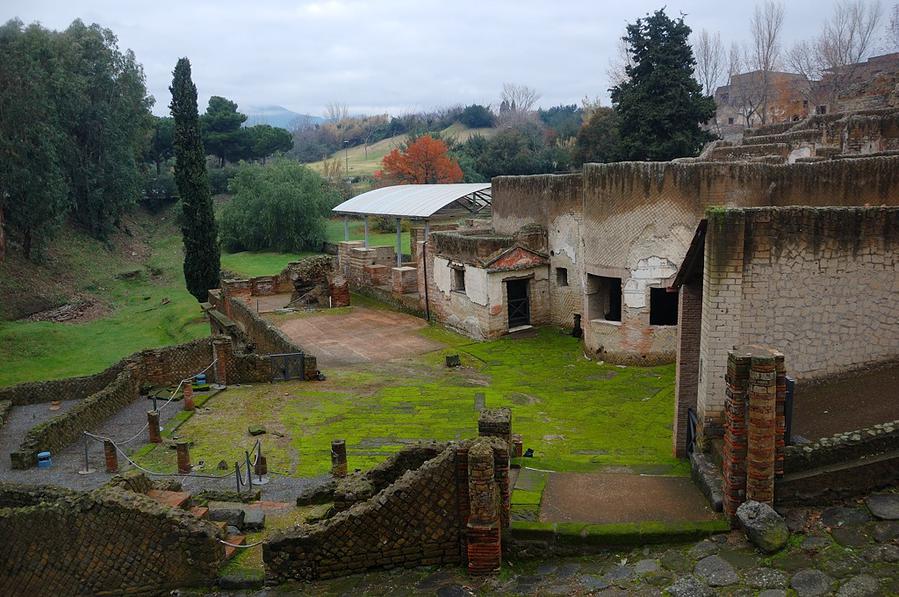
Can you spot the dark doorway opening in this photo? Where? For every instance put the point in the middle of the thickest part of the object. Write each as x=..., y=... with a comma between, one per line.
x=519, y=305
x=662, y=307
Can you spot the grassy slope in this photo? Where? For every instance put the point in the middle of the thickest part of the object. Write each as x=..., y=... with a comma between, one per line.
x=136, y=316
x=366, y=161
x=577, y=415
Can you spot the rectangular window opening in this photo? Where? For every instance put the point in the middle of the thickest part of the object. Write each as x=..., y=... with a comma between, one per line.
x=662, y=307
x=603, y=298
x=561, y=276
x=458, y=279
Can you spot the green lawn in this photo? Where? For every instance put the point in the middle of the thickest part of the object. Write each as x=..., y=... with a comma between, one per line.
x=576, y=414
x=152, y=308
x=251, y=264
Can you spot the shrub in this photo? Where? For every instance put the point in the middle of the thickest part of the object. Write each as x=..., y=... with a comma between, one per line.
x=281, y=207
x=159, y=189
x=477, y=116
x=220, y=177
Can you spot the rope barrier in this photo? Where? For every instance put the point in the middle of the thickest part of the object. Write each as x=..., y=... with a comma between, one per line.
x=241, y=546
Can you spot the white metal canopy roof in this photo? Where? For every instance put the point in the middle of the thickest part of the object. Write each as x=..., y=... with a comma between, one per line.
x=417, y=201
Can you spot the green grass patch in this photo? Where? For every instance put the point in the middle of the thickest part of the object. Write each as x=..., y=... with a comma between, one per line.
x=334, y=233
x=262, y=263
x=576, y=414
x=151, y=308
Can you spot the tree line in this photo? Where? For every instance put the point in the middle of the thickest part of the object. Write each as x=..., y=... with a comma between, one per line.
x=78, y=140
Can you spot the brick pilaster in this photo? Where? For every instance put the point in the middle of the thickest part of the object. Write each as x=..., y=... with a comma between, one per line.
x=188, y=391
x=761, y=448
x=183, y=457
x=734, y=452
x=222, y=352
x=780, y=434
x=483, y=529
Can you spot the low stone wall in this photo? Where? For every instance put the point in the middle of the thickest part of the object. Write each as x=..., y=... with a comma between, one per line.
x=266, y=338
x=423, y=518
x=62, y=430
x=839, y=467
x=5, y=407
x=37, y=392
x=109, y=541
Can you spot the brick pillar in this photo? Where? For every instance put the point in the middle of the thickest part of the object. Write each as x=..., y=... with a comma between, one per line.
x=153, y=426
x=761, y=449
x=338, y=458
x=112, y=457
x=496, y=422
x=183, y=457
x=188, y=390
x=463, y=499
x=483, y=529
x=734, y=452
x=222, y=351
x=780, y=437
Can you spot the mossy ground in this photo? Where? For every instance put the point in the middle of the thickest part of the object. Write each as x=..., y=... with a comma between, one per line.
x=576, y=414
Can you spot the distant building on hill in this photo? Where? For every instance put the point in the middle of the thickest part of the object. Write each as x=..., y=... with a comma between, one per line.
x=756, y=98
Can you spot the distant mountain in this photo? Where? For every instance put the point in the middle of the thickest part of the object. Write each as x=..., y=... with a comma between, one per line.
x=276, y=116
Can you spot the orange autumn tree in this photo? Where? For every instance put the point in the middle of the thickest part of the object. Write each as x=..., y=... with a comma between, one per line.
x=423, y=161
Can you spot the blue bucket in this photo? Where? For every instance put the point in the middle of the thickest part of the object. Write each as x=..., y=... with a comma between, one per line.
x=44, y=460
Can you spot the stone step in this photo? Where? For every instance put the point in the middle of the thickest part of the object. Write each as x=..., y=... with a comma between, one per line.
x=173, y=499
x=235, y=540
x=199, y=511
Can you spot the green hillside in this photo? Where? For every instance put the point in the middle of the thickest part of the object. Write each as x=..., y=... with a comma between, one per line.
x=366, y=160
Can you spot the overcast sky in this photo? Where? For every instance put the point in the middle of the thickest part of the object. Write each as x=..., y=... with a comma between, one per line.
x=388, y=55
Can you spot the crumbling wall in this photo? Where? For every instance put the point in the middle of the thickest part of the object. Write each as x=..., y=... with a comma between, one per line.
x=71, y=388
x=413, y=522
x=639, y=220
x=109, y=541
x=422, y=518
x=264, y=337
x=554, y=202
x=818, y=283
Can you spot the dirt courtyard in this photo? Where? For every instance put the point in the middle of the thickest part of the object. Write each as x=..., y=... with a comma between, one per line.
x=357, y=335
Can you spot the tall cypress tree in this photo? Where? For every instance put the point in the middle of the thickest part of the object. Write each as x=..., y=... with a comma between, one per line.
x=201, y=250
x=661, y=105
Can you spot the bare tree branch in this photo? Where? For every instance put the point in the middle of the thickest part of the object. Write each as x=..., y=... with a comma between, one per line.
x=710, y=60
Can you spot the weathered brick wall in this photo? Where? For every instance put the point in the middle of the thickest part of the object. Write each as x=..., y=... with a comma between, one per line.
x=689, y=319
x=60, y=431
x=421, y=518
x=267, y=338
x=411, y=523
x=639, y=219
x=818, y=283
x=156, y=367
x=109, y=541
x=71, y=388
x=556, y=203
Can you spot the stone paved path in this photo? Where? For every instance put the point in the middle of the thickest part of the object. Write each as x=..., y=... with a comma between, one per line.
x=362, y=335
x=861, y=559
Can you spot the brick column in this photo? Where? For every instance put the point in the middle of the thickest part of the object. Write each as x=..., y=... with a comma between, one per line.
x=483, y=529
x=153, y=426
x=338, y=458
x=734, y=452
x=501, y=477
x=183, y=457
x=761, y=449
x=221, y=350
x=112, y=457
x=780, y=433
x=188, y=390
x=496, y=422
